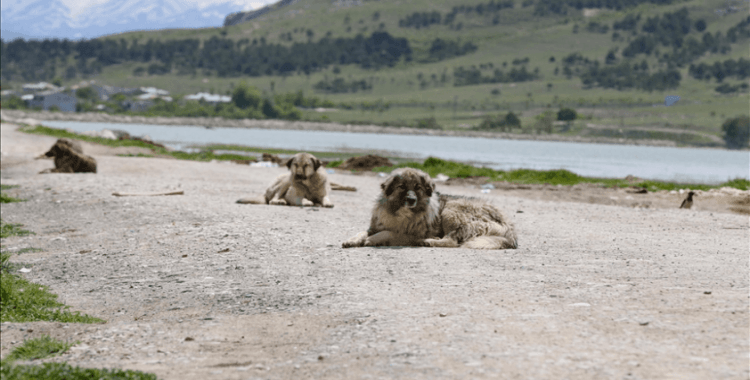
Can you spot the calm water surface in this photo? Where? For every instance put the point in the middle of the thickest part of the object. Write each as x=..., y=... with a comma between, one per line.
x=594, y=160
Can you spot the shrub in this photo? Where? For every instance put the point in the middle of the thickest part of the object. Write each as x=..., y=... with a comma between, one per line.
x=245, y=96
x=566, y=114
x=428, y=123
x=736, y=132
x=87, y=93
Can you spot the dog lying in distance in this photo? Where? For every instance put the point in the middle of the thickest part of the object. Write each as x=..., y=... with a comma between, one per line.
x=409, y=212
x=69, y=158
x=305, y=185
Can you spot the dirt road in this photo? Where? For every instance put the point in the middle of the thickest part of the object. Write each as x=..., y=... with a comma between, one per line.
x=195, y=286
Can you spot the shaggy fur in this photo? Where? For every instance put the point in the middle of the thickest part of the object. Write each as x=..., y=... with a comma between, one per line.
x=69, y=158
x=410, y=213
x=306, y=185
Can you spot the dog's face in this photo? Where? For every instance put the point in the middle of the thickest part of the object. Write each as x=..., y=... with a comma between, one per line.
x=410, y=188
x=60, y=149
x=303, y=166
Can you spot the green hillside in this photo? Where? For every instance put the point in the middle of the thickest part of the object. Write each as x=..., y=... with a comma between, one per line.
x=555, y=46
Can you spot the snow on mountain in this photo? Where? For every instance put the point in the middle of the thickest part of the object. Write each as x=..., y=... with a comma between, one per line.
x=52, y=19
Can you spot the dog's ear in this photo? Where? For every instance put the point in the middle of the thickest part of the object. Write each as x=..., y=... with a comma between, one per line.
x=288, y=163
x=389, y=185
x=429, y=186
x=316, y=164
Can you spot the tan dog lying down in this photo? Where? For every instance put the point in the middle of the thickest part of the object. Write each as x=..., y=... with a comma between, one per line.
x=409, y=213
x=69, y=158
x=306, y=185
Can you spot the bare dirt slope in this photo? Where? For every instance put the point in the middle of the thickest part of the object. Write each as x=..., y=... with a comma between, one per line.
x=198, y=287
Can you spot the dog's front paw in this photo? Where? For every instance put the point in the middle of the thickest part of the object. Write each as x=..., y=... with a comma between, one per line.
x=357, y=241
x=278, y=202
x=306, y=203
x=328, y=205
x=425, y=243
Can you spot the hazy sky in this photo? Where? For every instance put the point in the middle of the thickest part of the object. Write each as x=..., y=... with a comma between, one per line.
x=79, y=6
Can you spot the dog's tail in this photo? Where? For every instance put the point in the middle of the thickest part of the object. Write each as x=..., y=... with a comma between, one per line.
x=259, y=200
x=491, y=242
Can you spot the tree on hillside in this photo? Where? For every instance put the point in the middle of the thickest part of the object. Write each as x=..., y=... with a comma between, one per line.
x=245, y=96
x=736, y=132
x=566, y=114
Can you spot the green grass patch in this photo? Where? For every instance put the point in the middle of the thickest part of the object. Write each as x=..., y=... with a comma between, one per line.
x=12, y=229
x=24, y=301
x=434, y=166
x=241, y=148
x=59, y=133
x=63, y=371
x=5, y=198
x=335, y=164
x=29, y=249
x=39, y=348
x=738, y=183
x=135, y=155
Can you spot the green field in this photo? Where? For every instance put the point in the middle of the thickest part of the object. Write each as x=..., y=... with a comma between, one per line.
x=695, y=120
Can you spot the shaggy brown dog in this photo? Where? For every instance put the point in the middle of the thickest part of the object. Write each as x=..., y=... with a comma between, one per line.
x=69, y=158
x=306, y=185
x=410, y=213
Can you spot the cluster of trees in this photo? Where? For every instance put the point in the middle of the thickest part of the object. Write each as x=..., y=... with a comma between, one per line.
x=473, y=75
x=741, y=30
x=500, y=123
x=726, y=88
x=232, y=59
x=595, y=27
x=563, y=7
x=737, y=132
x=426, y=19
x=33, y=60
x=672, y=30
x=421, y=20
x=739, y=69
x=441, y=49
x=36, y=60
x=624, y=76
x=341, y=86
x=628, y=23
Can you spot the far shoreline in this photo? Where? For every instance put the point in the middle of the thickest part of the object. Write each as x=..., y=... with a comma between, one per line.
x=21, y=116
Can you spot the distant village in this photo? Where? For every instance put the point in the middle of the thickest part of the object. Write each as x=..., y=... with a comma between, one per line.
x=49, y=97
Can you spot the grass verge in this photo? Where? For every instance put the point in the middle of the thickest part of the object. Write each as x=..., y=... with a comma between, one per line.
x=204, y=155
x=434, y=166
x=63, y=371
x=24, y=301
x=431, y=165
x=12, y=229
x=5, y=198
x=39, y=348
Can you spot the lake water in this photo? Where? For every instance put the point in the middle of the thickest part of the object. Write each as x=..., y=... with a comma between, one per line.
x=689, y=165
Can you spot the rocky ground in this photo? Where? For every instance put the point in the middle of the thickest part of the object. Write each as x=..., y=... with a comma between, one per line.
x=195, y=286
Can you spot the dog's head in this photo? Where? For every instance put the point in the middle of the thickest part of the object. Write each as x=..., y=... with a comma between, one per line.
x=407, y=187
x=303, y=166
x=62, y=148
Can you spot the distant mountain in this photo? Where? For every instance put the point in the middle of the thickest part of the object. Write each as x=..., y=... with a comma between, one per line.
x=52, y=19
x=240, y=17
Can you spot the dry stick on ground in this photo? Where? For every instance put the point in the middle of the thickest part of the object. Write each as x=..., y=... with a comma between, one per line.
x=336, y=186
x=119, y=194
